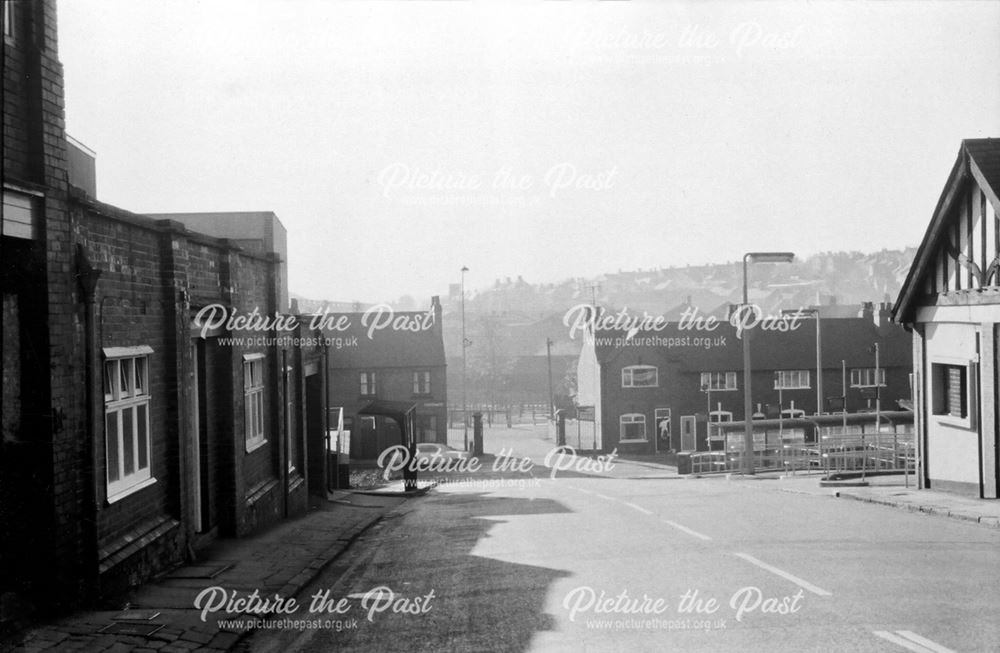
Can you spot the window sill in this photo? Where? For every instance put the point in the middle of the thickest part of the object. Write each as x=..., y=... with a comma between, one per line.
x=958, y=422
x=121, y=494
x=639, y=387
x=250, y=448
x=631, y=441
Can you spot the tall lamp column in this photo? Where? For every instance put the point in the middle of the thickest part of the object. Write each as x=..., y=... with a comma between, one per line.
x=745, y=312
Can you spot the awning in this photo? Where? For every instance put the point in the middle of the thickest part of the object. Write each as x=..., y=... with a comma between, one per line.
x=397, y=410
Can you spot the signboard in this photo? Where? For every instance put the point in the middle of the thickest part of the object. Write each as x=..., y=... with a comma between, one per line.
x=337, y=437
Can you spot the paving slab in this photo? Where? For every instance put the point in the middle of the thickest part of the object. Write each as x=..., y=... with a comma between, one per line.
x=282, y=560
x=894, y=490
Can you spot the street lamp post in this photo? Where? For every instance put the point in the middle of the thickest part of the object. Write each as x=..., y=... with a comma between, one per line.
x=465, y=345
x=752, y=257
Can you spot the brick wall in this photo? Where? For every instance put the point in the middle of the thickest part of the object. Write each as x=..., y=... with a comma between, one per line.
x=151, y=273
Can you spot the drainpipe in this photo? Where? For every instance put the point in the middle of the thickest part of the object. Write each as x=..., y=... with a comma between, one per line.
x=88, y=276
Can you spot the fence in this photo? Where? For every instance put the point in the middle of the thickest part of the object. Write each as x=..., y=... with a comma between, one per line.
x=832, y=450
x=501, y=415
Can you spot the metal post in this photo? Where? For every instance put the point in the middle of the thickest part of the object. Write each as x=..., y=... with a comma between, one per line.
x=708, y=413
x=465, y=345
x=552, y=403
x=747, y=408
x=819, y=365
x=878, y=406
x=843, y=390
x=757, y=257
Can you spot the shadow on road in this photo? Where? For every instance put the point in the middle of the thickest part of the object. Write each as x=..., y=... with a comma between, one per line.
x=481, y=601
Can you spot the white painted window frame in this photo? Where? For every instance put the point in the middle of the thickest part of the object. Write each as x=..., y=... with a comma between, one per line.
x=632, y=418
x=126, y=393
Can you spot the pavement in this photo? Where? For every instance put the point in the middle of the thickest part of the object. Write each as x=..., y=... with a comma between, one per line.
x=893, y=490
x=281, y=560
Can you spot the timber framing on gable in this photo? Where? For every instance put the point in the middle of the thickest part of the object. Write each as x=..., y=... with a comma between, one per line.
x=958, y=261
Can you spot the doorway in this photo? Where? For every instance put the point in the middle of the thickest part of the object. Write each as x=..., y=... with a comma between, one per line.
x=688, y=433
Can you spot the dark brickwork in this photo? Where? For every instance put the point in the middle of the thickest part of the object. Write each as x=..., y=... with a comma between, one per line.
x=96, y=277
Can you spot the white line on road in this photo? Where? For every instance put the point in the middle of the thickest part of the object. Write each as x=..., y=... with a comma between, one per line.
x=911, y=645
x=604, y=496
x=932, y=645
x=639, y=508
x=784, y=574
x=687, y=530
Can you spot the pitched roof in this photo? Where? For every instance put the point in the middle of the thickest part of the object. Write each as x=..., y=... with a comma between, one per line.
x=979, y=159
x=358, y=347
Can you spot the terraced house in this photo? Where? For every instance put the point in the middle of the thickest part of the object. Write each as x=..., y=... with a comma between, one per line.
x=131, y=436
x=658, y=390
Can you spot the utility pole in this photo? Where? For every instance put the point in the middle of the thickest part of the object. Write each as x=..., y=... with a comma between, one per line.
x=465, y=345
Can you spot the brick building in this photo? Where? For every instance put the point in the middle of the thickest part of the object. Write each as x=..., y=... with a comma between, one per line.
x=131, y=434
x=655, y=390
x=254, y=231
x=395, y=356
x=951, y=302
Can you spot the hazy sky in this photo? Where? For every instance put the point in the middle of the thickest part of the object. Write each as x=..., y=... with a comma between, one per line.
x=398, y=141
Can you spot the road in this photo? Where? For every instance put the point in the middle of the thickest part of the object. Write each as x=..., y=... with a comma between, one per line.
x=636, y=559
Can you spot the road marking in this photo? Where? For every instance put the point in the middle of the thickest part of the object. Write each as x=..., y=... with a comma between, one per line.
x=687, y=530
x=604, y=496
x=639, y=508
x=932, y=645
x=784, y=574
x=912, y=641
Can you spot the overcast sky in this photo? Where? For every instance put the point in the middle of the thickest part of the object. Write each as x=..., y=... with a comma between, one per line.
x=398, y=141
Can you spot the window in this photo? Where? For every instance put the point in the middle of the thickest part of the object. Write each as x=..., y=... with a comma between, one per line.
x=8, y=18
x=864, y=377
x=950, y=390
x=718, y=381
x=791, y=379
x=126, y=420
x=633, y=428
x=421, y=383
x=20, y=212
x=717, y=416
x=639, y=376
x=367, y=384
x=253, y=401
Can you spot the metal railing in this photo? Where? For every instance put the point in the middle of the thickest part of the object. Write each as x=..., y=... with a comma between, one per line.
x=832, y=450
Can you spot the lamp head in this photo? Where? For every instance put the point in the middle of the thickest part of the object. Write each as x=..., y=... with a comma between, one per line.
x=769, y=257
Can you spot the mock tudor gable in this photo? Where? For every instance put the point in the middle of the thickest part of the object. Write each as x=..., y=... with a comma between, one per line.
x=958, y=261
x=951, y=302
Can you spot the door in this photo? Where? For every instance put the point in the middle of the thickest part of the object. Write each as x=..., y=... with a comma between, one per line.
x=688, y=433
x=316, y=443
